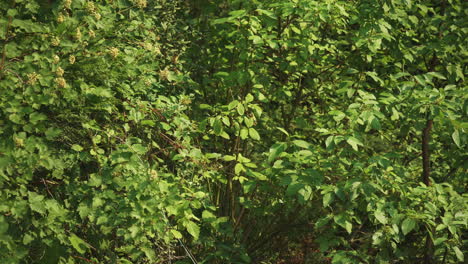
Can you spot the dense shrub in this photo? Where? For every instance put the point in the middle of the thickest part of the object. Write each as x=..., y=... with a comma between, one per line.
x=238, y=131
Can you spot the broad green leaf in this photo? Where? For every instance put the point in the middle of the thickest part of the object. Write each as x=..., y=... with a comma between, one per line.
x=301, y=143
x=36, y=202
x=254, y=134
x=193, y=229
x=328, y=199
x=176, y=234
x=408, y=225
x=233, y=104
x=275, y=151
x=217, y=127
x=244, y=133
x=77, y=147
x=240, y=109
x=354, y=142
x=249, y=98
x=380, y=216
x=458, y=253
x=238, y=168
x=208, y=215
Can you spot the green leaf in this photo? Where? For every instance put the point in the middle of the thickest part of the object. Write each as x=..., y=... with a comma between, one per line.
x=217, y=127
x=329, y=141
x=36, y=117
x=375, y=123
x=208, y=215
x=283, y=130
x=354, y=142
x=380, y=216
x=240, y=109
x=77, y=147
x=176, y=234
x=456, y=138
x=458, y=253
x=149, y=253
x=342, y=221
x=78, y=244
x=408, y=225
x=249, y=98
x=301, y=143
x=275, y=151
x=439, y=241
x=36, y=202
x=233, y=104
x=437, y=75
x=244, y=133
x=238, y=168
x=254, y=134
x=328, y=199
x=193, y=229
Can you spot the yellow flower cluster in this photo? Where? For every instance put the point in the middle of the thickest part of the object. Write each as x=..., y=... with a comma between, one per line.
x=114, y=52
x=141, y=3
x=55, y=41
x=92, y=34
x=32, y=78
x=78, y=34
x=59, y=72
x=60, y=18
x=19, y=142
x=67, y=4
x=89, y=6
x=153, y=174
x=60, y=81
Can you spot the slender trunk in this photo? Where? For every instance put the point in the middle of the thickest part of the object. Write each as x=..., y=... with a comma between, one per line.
x=429, y=247
x=425, y=152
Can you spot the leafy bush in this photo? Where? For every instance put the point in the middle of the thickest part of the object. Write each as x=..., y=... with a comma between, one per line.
x=233, y=131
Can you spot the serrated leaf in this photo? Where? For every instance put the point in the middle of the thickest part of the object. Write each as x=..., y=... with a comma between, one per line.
x=78, y=244
x=176, y=234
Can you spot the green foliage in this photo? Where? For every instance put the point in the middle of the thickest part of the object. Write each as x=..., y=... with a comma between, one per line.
x=137, y=131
